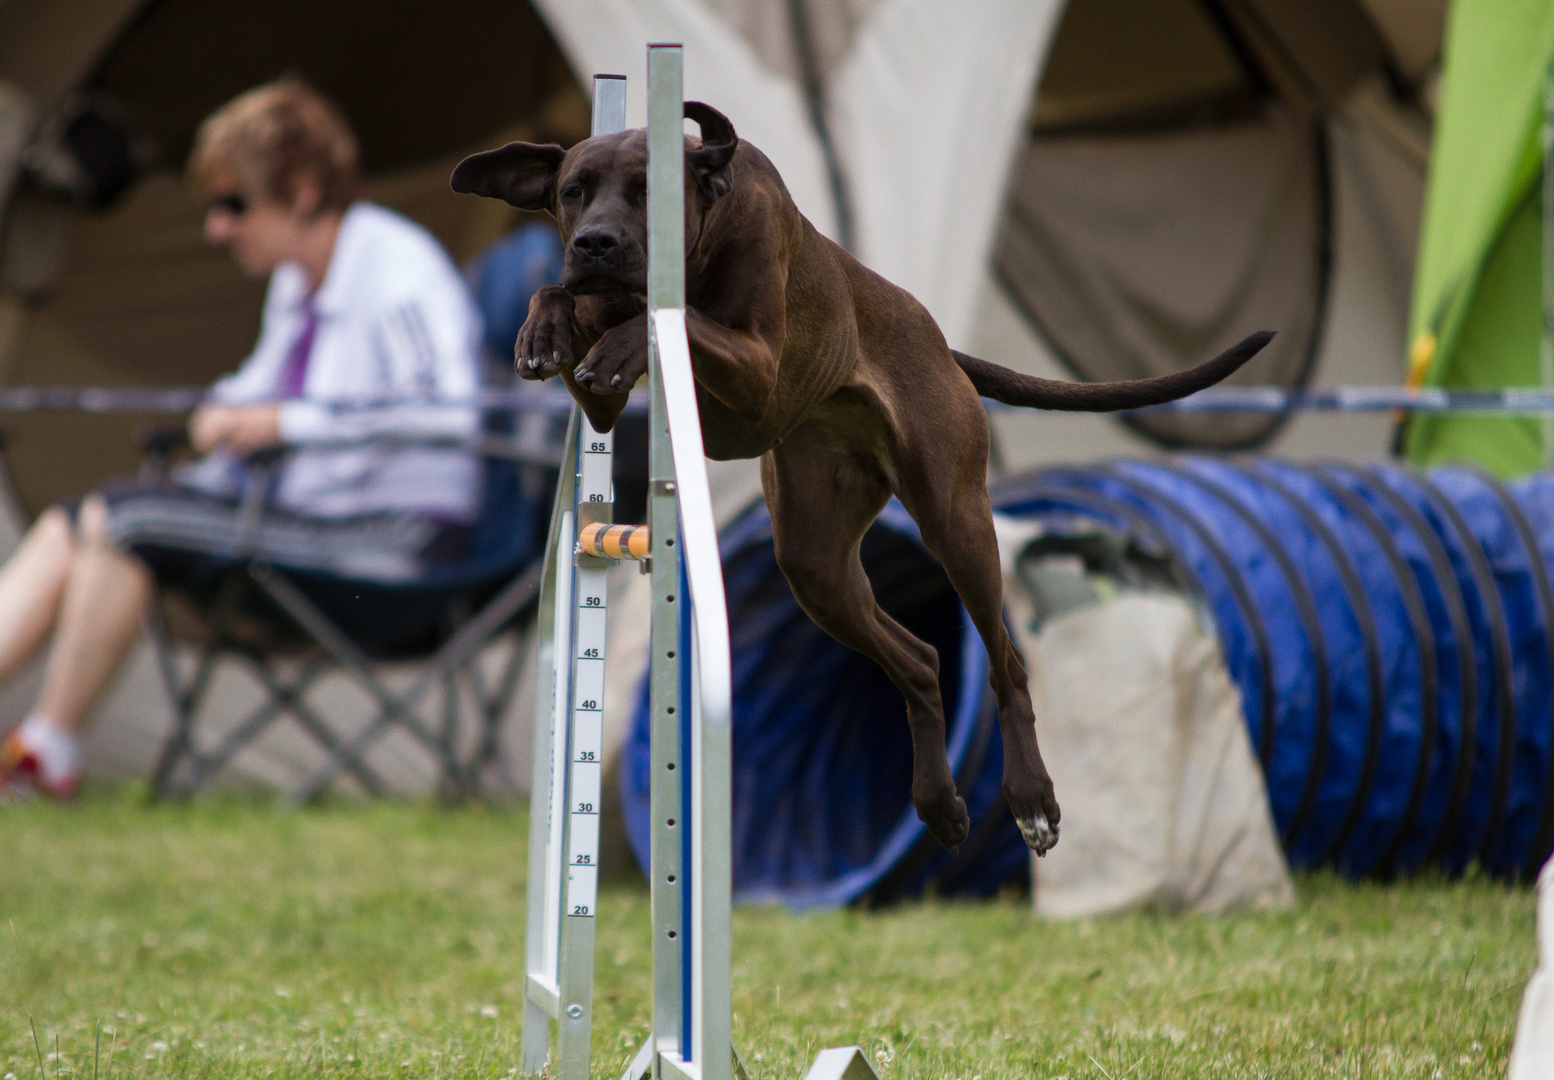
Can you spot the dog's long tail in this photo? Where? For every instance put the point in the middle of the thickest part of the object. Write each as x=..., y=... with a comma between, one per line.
x=1028, y=391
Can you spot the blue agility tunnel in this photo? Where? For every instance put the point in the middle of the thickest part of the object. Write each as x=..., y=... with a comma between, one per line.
x=822, y=755
x=1389, y=632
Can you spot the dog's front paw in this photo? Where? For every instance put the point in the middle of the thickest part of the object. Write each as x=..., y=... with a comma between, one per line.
x=1039, y=836
x=617, y=360
x=544, y=345
x=1035, y=811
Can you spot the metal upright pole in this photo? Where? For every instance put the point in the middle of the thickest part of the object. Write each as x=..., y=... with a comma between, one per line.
x=691, y=696
x=542, y=939
x=666, y=289
x=690, y=790
x=568, y=737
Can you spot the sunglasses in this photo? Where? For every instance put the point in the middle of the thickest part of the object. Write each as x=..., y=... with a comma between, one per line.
x=231, y=205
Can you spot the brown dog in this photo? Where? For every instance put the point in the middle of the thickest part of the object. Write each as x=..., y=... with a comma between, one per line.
x=837, y=380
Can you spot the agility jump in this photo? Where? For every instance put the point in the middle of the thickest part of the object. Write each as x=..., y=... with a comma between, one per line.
x=690, y=693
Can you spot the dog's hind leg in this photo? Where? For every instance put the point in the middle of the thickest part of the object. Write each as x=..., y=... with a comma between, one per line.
x=823, y=496
x=944, y=488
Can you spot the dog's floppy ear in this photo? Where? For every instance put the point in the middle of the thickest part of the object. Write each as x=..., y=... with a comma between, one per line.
x=710, y=162
x=524, y=174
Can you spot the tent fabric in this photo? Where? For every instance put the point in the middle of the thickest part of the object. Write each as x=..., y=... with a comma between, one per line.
x=898, y=76
x=766, y=107
x=1476, y=317
x=1390, y=633
x=135, y=297
x=1176, y=191
x=1137, y=255
x=915, y=74
x=938, y=93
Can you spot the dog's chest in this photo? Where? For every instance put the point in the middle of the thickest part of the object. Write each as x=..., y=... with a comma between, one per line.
x=726, y=436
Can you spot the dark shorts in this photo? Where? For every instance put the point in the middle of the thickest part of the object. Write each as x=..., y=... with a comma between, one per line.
x=191, y=540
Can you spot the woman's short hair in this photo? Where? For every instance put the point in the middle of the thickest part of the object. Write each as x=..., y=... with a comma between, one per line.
x=271, y=138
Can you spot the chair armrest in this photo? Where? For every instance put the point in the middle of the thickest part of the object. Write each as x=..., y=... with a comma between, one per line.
x=158, y=446
x=268, y=456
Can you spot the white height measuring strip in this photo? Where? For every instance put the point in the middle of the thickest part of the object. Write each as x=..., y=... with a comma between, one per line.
x=561, y=700
x=586, y=742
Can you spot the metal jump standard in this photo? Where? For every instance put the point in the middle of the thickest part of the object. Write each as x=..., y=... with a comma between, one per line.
x=690, y=695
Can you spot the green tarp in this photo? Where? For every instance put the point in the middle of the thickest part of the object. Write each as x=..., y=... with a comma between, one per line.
x=1477, y=318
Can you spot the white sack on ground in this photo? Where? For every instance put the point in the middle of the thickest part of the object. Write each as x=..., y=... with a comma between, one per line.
x=1532, y=1054
x=1141, y=728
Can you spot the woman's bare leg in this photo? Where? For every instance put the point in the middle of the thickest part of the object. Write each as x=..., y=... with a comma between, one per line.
x=105, y=600
x=32, y=584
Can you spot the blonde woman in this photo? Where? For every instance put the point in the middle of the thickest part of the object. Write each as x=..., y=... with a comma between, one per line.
x=363, y=305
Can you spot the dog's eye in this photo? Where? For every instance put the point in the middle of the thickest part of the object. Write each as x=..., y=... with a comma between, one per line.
x=572, y=191
x=639, y=196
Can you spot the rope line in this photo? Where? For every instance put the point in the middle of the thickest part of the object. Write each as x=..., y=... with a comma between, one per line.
x=1516, y=401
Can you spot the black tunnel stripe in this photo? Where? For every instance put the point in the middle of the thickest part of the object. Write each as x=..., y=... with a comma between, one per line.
x=1467, y=666
x=1424, y=638
x=1365, y=618
x=1543, y=839
x=1500, y=654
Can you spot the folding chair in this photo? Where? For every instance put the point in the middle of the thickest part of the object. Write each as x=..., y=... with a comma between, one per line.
x=261, y=614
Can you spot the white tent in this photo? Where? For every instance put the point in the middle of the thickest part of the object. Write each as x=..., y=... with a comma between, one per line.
x=946, y=121
x=914, y=130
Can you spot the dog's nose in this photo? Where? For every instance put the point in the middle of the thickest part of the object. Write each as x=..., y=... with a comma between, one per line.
x=596, y=241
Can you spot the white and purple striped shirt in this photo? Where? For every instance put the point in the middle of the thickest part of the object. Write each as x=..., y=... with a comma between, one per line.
x=394, y=322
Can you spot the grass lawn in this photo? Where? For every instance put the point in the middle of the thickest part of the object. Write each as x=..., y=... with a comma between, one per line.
x=234, y=939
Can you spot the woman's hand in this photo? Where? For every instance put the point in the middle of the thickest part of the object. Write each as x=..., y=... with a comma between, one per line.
x=239, y=428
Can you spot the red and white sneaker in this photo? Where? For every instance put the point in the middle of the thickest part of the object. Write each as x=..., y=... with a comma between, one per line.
x=39, y=758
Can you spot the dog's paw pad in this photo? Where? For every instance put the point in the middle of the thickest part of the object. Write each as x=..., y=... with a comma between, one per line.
x=1040, y=837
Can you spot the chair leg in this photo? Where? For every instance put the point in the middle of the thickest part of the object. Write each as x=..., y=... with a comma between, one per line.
x=396, y=710
x=179, y=740
x=493, y=710
x=285, y=699
x=185, y=700
x=453, y=783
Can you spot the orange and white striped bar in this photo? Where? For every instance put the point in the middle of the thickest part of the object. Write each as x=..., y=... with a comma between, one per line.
x=614, y=541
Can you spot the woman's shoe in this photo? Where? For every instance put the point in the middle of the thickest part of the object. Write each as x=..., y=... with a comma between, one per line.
x=37, y=761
